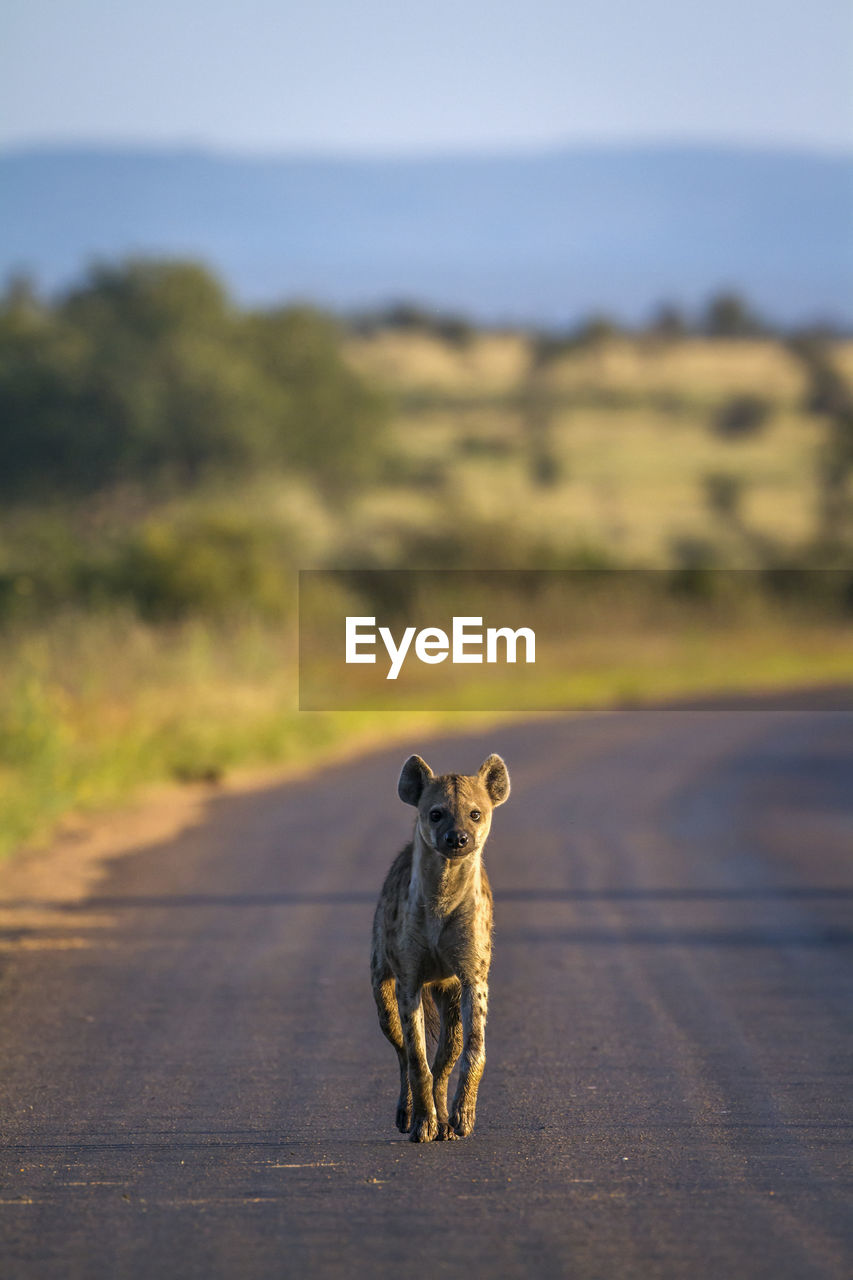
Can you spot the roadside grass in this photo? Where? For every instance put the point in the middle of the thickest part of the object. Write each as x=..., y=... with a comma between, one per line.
x=99, y=709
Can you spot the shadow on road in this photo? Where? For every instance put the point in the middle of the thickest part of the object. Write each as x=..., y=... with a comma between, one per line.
x=773, y=938
x=144, y=902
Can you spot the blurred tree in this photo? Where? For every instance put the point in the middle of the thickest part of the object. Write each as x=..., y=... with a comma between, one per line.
x=741, y=416
x=166, y=374
x=545, y=468
x=146, y=370
x=42, y=363
x=730, y=316
x=20, y=297
x=668, y=322
x=324, y=418
x=723, y=494
x=148, y=300
x=548, y=346
x=596, y=329
x=829, y=395
x=454, y=329
x=406, y=315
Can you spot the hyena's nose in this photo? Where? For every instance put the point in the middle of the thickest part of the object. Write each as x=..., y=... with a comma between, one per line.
x=456, y=839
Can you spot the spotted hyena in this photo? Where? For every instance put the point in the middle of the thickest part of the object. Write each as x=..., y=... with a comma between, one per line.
x=432, y=942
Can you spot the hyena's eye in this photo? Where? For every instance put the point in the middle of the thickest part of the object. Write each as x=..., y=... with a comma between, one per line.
x=435, y=815
x=476, y=815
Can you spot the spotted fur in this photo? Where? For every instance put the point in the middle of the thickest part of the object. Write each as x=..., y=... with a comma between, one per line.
x=432, y=942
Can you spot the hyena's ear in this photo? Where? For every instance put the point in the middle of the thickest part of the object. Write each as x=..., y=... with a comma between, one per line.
x=494, y=776
x=416, y=774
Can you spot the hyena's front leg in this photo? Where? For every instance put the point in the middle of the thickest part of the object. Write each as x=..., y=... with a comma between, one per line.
x=424, y=1123
x=475, y=999
x=449, y=1048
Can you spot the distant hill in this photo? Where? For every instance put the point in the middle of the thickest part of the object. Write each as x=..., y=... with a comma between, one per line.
x=544, y=237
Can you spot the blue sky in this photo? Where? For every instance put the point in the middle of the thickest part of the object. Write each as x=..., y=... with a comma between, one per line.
x=385, y=76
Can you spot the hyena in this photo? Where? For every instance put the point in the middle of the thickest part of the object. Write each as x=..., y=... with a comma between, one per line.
x=432, y=943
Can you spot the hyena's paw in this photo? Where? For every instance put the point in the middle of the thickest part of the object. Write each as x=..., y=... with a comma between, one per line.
x=403, y=1118
x=446, y=1132
x=424, y=1129
x=463, y=1119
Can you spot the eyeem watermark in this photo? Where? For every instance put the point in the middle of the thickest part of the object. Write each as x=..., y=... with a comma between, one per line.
x=535, y=640
x=467, y=642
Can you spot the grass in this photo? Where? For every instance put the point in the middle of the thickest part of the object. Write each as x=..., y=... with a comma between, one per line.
x=97, y=708
x=697, y=371
x=630, y=480
x=627, y=430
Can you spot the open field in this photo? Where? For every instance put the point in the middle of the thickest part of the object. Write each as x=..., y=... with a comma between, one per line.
x=149, y=630
x=615, y=447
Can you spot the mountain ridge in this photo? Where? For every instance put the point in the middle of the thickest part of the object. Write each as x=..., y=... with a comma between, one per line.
x=535, y=236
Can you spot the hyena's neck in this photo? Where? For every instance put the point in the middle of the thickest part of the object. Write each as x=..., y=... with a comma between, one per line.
x=442, y=883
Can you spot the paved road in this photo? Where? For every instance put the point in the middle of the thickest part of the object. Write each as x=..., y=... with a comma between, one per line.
x=197, y=1086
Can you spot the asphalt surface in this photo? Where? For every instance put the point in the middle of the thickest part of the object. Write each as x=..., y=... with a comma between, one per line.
x=197, y=1086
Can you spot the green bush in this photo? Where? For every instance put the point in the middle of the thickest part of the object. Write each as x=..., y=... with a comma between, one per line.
x=219, y=566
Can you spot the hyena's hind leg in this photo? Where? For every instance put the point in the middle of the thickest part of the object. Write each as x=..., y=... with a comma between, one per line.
x=447, y=1001
x=385, y=995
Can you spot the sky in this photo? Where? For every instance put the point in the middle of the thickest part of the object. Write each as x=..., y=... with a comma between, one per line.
x=391, y=77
